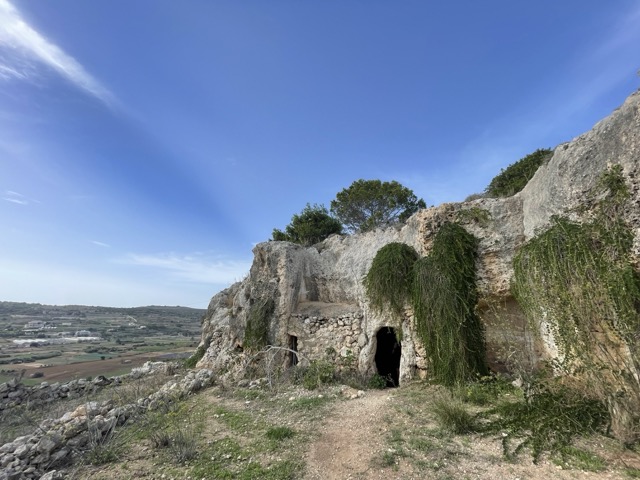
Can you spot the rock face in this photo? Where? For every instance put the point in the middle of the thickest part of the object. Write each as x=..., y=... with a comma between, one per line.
x=318, y=292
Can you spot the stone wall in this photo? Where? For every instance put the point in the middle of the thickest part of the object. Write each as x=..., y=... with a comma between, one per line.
x=56, y=442
x=14, y=393
x=315, y=334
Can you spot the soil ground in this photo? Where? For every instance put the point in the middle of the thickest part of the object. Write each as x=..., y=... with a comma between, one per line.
x=374, y=438
x=107, y=367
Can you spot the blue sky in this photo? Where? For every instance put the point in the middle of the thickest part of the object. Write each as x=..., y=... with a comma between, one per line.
x=147, y=145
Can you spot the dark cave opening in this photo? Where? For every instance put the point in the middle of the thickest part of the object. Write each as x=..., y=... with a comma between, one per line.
x=388, y=356
x=293, y=351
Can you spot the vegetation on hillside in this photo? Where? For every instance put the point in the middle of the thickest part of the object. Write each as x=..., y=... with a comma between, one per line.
x=309, y=227
x=512, y=179
x=256, y=334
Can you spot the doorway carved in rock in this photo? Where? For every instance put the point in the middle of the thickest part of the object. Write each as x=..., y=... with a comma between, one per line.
x=387, y=358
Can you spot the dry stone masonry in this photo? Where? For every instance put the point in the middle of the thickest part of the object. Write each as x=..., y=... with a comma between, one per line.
x=315, y=334
x=14, y=393
x=57, y=441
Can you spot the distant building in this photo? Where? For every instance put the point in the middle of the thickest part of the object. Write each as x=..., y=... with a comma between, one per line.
x=83, y=333
x=34, y=325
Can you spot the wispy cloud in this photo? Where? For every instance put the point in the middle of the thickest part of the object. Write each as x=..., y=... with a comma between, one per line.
x=18, y=198
x=100, y=244
x=198, y=267
x=22, y=45
x=7, y=72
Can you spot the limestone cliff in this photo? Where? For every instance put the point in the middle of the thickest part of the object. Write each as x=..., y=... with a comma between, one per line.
x=318, y=293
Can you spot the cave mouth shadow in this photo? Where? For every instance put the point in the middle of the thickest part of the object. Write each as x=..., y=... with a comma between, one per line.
x=387, y=356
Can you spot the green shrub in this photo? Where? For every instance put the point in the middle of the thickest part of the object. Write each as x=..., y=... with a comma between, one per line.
x=476, y=215
x=196, y=357
x=547, y=421
x=388, y=282
x=160, y=438
x=516, y=176
x=484, y=392
x=318, y=372
x=576, y=458
x=444, y=300
x=377, y=381
x=580, y=281
x=311, y=226
x=183, y=446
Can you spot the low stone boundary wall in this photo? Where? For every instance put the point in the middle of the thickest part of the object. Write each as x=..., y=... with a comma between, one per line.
x=14, y=393
x=58, y=441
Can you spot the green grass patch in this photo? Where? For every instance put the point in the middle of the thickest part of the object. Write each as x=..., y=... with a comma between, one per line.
x=577, y=458
x=309, y=403
x=279, y=433
x=486, y=391
x=632, y=472
x=238, y=421
x=453, y=416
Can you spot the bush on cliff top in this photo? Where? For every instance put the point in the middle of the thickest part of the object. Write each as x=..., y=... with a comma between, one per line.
x=515, y=177
x=311, y=226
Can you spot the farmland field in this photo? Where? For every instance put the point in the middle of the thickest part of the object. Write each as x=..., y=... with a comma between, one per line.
x=60, y=343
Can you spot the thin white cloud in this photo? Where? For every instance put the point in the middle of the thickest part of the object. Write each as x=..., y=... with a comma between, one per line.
x=197, y=268
x=100, y=244
x=7, y=72
x=18, y=198
x=22, y=43
x=19, y=201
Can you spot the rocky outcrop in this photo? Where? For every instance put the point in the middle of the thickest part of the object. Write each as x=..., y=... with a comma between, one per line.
x=325, y=282
x=317, y=288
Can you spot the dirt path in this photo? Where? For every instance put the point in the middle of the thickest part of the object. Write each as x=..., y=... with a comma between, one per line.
x=357, y=437
x=350, y=440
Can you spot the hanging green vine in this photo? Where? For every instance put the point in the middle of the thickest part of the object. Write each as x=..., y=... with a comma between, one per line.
x=256, y=334
x=579, y=276
x=388, y=282
x=578, y=279
x=444, y=299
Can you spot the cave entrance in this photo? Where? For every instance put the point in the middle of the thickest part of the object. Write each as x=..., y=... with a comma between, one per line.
x=293, y=350
x=388, y=356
